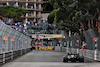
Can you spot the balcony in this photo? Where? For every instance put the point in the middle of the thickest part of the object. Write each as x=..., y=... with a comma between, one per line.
x=46, y=1
x=28, y=1
x=31, y=16
x=34, y=9
x=31, y=8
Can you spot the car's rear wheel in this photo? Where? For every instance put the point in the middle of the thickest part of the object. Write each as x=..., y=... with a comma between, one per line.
x=81, y=59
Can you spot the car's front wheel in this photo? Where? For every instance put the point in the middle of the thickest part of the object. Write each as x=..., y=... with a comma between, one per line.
x=65, y=59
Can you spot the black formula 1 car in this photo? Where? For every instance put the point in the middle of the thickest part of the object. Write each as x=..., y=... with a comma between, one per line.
x=73, y=57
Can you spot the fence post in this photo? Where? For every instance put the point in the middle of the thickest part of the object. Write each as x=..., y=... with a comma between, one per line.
x=95, y=51
x=12, y=47
x=67, y=46
x=3, y=49
x=71, y=47
x=77, y=46
x=21, y=47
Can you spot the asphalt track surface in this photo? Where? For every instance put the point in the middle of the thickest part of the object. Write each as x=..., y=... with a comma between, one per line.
x=47, y=59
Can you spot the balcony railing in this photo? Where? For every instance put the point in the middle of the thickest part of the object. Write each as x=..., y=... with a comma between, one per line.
x=30, y=7
x=30, y=15
x=9, y=0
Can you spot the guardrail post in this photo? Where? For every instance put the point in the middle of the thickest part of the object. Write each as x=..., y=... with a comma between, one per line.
x=12, y=55
x=71, y=46
x=21, y=49
x=3, y=57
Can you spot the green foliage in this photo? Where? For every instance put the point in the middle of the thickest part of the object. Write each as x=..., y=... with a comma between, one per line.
x=51, y=2
x=12, y=12
x=51, y=16
x=73, y=14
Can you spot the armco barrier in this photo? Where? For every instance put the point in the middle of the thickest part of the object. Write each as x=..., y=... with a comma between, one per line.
x=63, y=49
x=98, y=56
x=89, y=54
x=12, y=43
x=1, y=59
x=7, y=57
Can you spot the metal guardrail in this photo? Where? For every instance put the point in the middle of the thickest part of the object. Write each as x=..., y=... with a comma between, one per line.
x=87, y=53
x=9, y=56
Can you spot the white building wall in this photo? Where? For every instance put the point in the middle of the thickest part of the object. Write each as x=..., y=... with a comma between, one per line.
x=45, y=15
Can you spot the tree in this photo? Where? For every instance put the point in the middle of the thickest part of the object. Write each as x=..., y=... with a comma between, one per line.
x=76, y=14
x=63, y=15
x=56, y=3
x=12, y=12
x=51, y=16
x=93, y=8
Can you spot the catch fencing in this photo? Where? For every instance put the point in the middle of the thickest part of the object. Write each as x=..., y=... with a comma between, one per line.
x=89, y=36
x=89, y=52
x=90, y=44
x=72, y=42
x=12, y=43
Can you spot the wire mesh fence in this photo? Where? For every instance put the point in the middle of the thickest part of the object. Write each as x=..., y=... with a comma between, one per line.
x=72, y=41
x=6, y=42
x=89, y=36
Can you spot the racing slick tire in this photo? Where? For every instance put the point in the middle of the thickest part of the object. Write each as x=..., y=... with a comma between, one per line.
x=65, y=59
x=81, y=59
x=73, y=61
